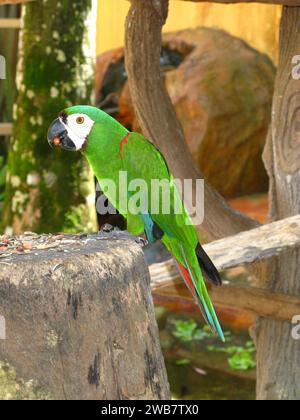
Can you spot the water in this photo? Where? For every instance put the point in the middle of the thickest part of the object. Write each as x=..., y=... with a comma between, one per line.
x=198, y=364
x=187, y=384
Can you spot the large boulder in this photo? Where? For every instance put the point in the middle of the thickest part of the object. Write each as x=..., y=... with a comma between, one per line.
x=222, y=91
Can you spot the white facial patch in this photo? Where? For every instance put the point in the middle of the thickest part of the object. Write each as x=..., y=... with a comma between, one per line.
x=78, y=127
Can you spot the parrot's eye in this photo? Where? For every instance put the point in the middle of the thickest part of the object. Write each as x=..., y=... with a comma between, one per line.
x=80, y=120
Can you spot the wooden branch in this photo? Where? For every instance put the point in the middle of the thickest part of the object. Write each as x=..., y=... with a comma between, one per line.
x=256, y=301
x=5, y=129
x=157, y=115
x=245, y=248
x=80, y=318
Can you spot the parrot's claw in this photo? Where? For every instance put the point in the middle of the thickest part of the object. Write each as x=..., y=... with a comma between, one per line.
x=141, y=241
x=107, y=228
x=111, y=232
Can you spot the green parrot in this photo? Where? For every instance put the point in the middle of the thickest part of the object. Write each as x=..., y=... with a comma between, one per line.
x=112, y=151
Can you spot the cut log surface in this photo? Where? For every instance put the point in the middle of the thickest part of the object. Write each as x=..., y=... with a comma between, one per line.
x=80, y=318
x=266, y=242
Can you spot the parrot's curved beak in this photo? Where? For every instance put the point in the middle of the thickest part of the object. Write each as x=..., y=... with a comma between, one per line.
x=58, y=136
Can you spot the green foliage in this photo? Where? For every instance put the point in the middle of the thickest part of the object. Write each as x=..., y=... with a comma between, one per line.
x=240, y=358
x=44, y=185
x=14, y=388
x=76, y=220
x=187, y=331
x=183, y=362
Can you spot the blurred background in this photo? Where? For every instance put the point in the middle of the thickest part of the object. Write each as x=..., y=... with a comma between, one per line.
x=219, y=64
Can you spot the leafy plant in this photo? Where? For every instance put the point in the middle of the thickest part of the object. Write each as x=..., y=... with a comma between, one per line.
x=76, y=220
x=187, y=331
x=183, y=362
x=202, y=333
x=240, y=358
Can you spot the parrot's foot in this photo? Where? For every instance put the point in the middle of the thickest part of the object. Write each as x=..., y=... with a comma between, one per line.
x=141, y=241
x=107, y=228
x=113, y=232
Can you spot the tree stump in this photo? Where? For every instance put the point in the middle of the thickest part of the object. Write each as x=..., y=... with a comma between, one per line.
x=80, y=318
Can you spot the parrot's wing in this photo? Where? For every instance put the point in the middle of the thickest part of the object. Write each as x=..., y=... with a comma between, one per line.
x=142, y=160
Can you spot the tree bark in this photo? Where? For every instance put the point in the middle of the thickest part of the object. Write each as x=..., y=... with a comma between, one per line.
x=8, y=48
x=278, y=352
x=157, y=115
x=80, y=318
x=46, y=191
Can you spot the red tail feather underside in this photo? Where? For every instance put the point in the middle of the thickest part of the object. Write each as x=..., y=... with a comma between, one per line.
x=187, y=277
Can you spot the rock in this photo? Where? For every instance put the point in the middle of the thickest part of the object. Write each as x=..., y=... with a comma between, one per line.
x=222, y=91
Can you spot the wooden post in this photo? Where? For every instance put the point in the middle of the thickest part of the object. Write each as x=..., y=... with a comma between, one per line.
x=80, y=318
x=278, y=352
